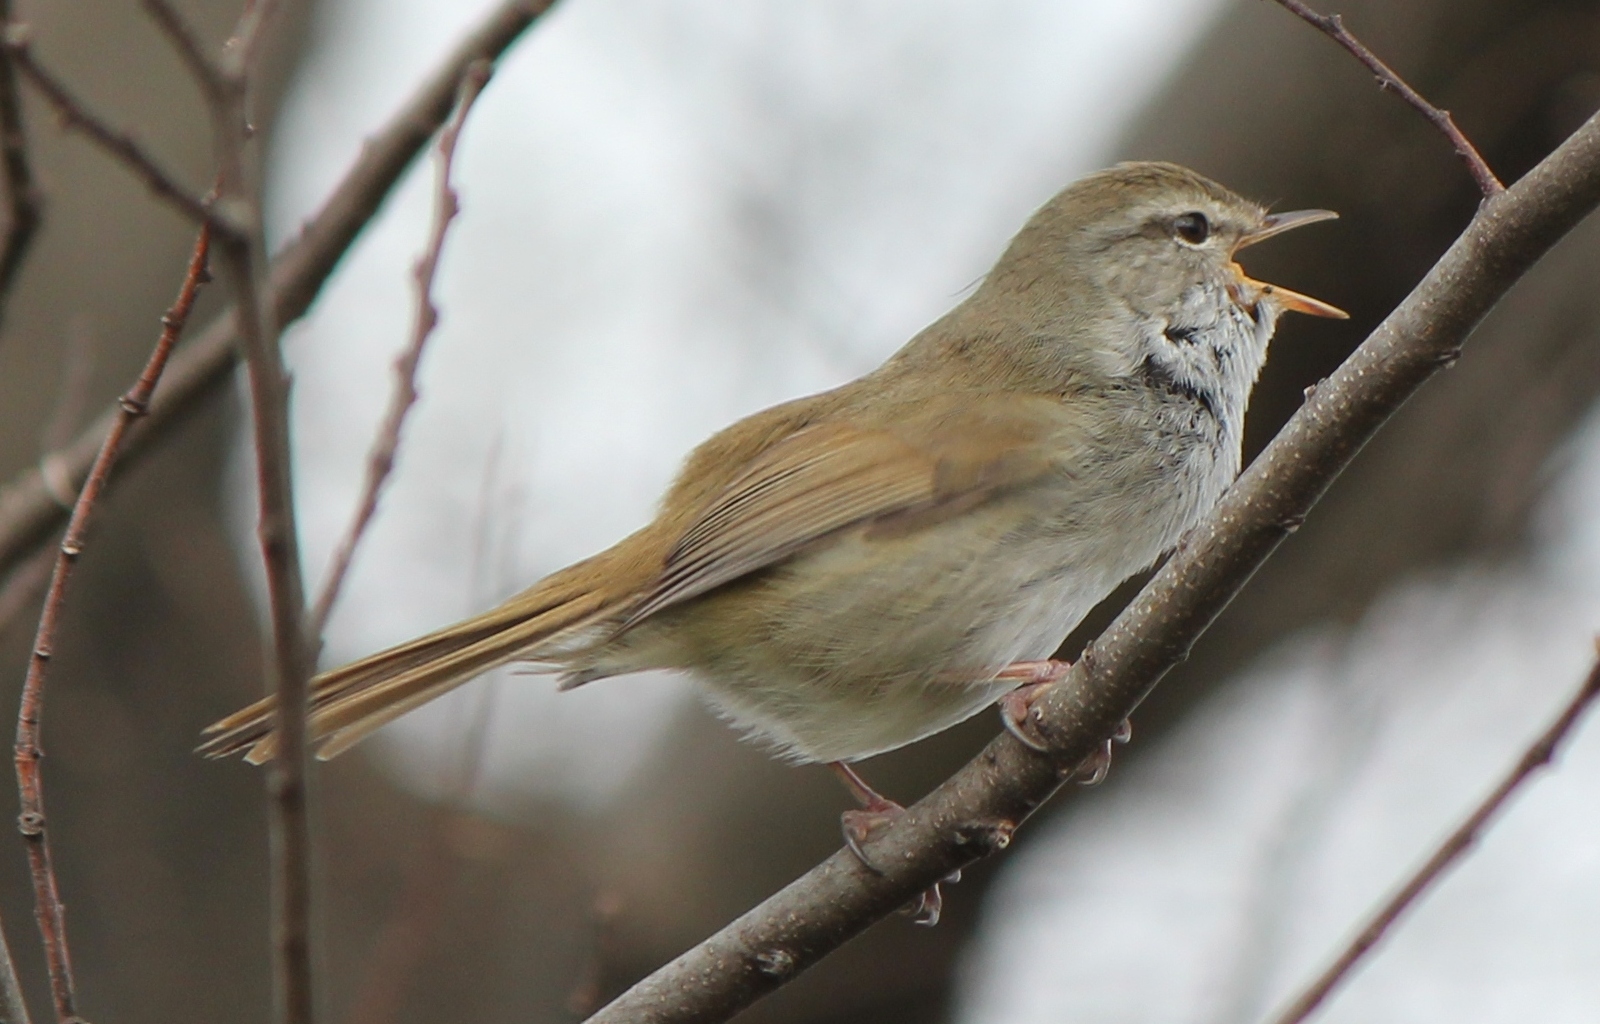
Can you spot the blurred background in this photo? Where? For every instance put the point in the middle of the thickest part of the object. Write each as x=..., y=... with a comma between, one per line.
x=678, y=213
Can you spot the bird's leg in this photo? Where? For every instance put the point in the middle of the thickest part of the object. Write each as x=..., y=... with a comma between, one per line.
x=1016, y=714
x=876, y=811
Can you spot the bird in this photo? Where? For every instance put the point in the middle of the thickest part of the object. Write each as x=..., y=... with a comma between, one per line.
x=849, y=572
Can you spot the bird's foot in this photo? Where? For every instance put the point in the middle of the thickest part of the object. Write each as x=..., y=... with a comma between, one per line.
x=877, y=811
x=1017, y=715
x=1016, y=707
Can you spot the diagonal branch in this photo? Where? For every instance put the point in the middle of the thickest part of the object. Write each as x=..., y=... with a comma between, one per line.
x=1455, y=845
x=975, y=812
x=1332, y=26
x=190, y=49
x=202, y=367
x=31, y=822
x=124, y=147
x=380, y=460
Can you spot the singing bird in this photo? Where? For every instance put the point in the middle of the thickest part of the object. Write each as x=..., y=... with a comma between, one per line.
x=850, y=572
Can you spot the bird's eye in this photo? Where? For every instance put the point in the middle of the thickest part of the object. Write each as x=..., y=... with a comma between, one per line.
x=1192, y=227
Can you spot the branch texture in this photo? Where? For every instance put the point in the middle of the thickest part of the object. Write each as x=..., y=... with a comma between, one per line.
x=975, y=812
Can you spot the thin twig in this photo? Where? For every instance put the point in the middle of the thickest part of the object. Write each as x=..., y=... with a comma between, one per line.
x=974, y=813
x=134, y=404
x=186, y=41
x=1466, y=835
x=23, y=202
x=243, y=258
x=385, y=446
x=1333, y=26
x=203, y=367
x=76, y=115
x=243, y=48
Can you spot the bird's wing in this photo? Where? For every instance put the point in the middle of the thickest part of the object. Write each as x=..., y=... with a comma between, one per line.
x=942, y=457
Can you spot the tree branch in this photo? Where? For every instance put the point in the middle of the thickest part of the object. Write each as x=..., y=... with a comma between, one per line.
x=1454, y=846
x=202, y=367
x=975, y=812
x=385, y=446
x=289, y=667
x=119, y=144
x=190, y=50
x=24, y=205
x=31, y=822
x=1332, y=26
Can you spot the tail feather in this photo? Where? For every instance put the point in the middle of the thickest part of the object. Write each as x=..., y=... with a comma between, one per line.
x=350, y=702
x=349, y=718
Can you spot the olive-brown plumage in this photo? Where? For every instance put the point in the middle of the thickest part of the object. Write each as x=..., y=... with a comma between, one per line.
x=848, y=572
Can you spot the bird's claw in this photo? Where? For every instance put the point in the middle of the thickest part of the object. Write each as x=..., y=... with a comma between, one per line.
x=1016, y=706
x=1093, y=769
x=1017, y=715
x=877, y=811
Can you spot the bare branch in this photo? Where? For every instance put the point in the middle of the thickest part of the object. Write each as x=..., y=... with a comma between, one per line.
x=31, y=822
x=1333, y=27
x=202, y=367
x=975, y=812
x=289, y=667
x=186, y=41
x=24, y=205
x=385, y=446
x=1457, y=843
x=76, y=116
x=239, y=53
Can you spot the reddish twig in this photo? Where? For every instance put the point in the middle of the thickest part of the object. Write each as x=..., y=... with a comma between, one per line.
x=75, y=115
x=385, y=446
x=134, y=404
x=1466, y=835
x=1332, y=26
x=23, y=203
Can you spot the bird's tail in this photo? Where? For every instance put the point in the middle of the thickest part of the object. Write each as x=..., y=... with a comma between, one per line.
x=349, y=703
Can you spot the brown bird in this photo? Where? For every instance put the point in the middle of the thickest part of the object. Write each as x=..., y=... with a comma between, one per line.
x=850, y=572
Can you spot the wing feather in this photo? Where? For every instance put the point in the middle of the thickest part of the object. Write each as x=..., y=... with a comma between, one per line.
x=947, y=455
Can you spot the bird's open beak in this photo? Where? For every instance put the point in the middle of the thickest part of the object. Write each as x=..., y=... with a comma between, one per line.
x=1247, y=292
